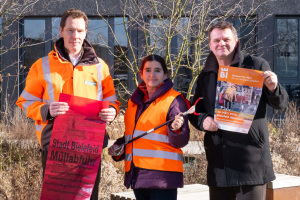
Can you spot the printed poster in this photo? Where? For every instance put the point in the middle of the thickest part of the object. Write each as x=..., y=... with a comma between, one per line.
x=237, y=98
x=75, y=150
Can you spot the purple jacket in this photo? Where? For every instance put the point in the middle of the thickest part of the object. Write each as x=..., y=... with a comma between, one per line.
x=139, y=178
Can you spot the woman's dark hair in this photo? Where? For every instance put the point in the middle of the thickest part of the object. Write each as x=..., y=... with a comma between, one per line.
x=155, y=58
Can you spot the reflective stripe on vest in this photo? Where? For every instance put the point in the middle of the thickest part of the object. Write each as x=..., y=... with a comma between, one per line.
x=128, y=157
x=150, y=136
x=30, y=100
x=39, y=127
x=154, y=154
x=112, y=99
x=48, y=79
x=99, y=72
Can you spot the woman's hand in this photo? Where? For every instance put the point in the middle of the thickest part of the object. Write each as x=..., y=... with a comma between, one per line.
x=116, y=150
x=177, y=123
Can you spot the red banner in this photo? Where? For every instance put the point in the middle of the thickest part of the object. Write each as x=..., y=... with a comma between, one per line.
x=75, y=150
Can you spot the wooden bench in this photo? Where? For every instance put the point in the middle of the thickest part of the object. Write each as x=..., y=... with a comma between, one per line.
x=122, y=196
x=284, y=187
x=188, y=192
x=193, y=148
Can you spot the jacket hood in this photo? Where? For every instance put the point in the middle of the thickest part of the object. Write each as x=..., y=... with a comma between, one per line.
x=212, y=64
x=88, y=57
x=139, y=94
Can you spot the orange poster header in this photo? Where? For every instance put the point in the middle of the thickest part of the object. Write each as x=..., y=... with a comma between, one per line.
x=241, y=76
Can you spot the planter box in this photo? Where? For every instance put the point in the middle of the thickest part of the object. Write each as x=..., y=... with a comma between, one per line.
x=284, y=187
x=188, y=192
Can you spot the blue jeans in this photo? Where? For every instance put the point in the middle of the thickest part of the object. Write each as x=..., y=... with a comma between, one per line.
x=155, y=194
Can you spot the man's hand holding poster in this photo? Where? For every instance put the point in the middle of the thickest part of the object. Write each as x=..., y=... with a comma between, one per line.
x=237, y=97
x=75, y=150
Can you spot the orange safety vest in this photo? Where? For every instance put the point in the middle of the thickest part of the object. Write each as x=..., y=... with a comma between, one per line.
x=230, y=91
x=51, y=75
x=152, y=151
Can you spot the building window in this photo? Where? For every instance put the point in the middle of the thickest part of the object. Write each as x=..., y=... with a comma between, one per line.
x=34, y=41
x=184, y=76
x=158, y=39
x=158, y=43
x=287, y=54
x=55, y=24
x=246, y=30
x=109, y=41
x=121, y=72
x=98, y=37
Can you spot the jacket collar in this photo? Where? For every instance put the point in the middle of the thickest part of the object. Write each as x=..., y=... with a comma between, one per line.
x=212, y=64
x=140, y=93
x=88, y=55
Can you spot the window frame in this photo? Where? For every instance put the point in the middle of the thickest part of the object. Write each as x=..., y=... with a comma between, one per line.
x=237, y=23
x=286, y=80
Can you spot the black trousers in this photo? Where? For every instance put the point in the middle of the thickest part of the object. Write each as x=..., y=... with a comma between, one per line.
x=95, y=192
x=245, y=192
x=155, y=194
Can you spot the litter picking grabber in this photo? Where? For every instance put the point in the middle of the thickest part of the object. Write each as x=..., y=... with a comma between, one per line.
x=119, y=149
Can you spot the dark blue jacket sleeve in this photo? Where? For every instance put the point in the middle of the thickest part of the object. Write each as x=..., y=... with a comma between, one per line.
x=197, y=120
x=178, y=139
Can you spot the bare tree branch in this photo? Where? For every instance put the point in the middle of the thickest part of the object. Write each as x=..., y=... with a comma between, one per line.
x=177, y=30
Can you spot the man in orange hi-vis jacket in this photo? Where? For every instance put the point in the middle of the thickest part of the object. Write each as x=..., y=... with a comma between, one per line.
x=72, y=68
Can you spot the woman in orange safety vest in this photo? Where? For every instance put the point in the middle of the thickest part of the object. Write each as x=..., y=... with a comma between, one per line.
x=154, y=163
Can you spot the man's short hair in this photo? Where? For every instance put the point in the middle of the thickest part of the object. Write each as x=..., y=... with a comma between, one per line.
x=222, y=25
x=74, y=13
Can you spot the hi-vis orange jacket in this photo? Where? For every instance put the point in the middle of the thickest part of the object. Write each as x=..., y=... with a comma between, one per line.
x=53, y=74
x=152, y=151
